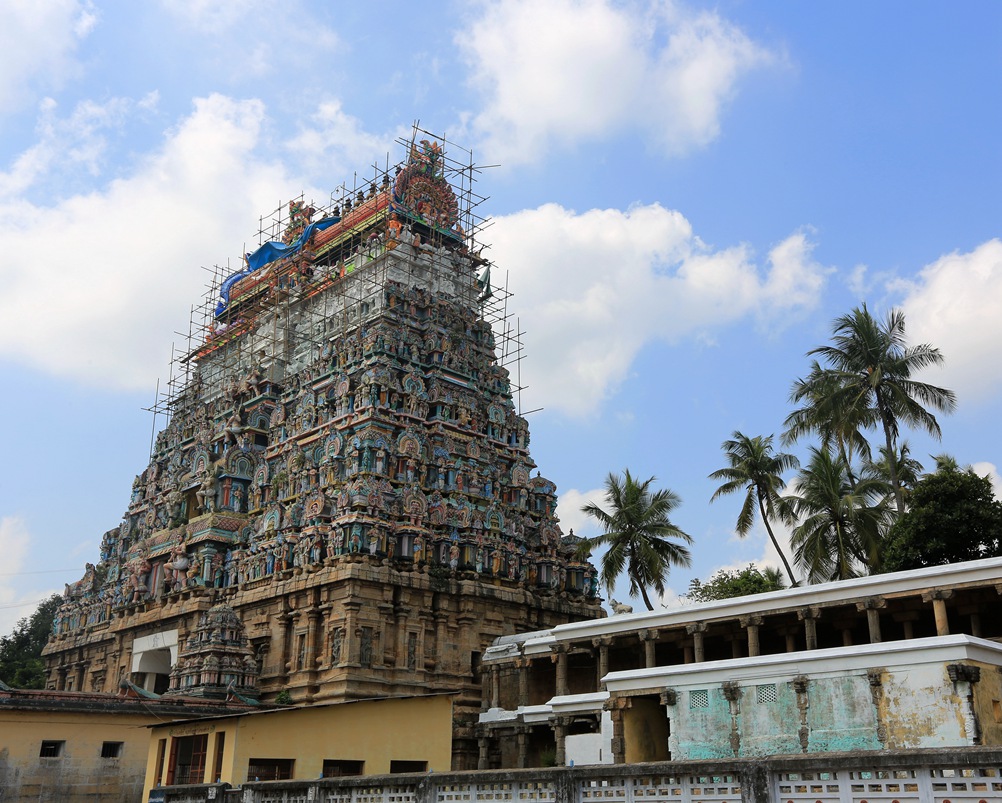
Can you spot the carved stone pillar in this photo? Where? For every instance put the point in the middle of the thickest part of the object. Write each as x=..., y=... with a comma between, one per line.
x=400, y=615
x=649, y=639
x=973, y=612
x=696, y=630
x=907, y=619
x=352, y=640
x=495, y=673
x=312, y=626
x=872, y=606
x=732, y=693
x=938, y=597
x=799, y=684
x=524, y=667
x=522, y=739
x=602, y=643
x=324, y=637
x=442, y=640
x=484, y=743
x=876, y=679
x=964, y=677
x=560, y=725
x=752, y=624
x=286, y=624
x=810, y=616
x=559, y=657
x=615, y=707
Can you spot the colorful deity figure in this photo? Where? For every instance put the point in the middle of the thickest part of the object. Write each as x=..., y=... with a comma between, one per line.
x=138, y=576
x=176, y=569
x=300, y=216
x=218, y=570
x=238, y=494
x=497, y=561
x=206, y=493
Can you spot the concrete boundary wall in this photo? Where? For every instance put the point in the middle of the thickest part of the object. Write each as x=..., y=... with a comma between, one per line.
x=965, y=775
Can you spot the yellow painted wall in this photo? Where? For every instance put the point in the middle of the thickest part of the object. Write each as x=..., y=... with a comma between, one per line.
x=374, y=731
x=645, y=730
x=988, y=704
x=79, y=772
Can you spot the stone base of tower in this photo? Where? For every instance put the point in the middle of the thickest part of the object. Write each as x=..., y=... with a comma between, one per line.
x=357, y=627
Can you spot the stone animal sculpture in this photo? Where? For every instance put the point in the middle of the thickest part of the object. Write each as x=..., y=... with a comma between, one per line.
x=619, y=607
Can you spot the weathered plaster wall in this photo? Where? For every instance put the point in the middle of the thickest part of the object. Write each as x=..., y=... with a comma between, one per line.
x=919, y=708
x=841, y=715
x=79, y=773
x=769, y=727
x=698, y=730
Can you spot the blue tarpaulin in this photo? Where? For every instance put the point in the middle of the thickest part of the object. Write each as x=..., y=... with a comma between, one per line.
x=268, y=253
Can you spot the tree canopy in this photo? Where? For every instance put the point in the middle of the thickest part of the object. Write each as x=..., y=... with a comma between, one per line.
x=727, y=583
x=755, y=468
x=841, y=522
x=866, y=380
x=641, y=539
x=21, y=664
x=953, y=516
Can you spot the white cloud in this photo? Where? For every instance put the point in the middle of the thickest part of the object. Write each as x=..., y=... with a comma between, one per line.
x=15, y=539
x=65, y=144
x=94, y=283
x=560, y=71
x=37, y=46
x=214, y=16
x=569, y=510
x=245, y=40
x=954, y=305
x=990, y=470
x=334, y=143
x=599, y=285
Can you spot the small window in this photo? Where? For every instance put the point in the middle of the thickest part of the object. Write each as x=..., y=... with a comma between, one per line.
x=340, y=768
x=700, y=698
x=408, y=766
x=765, y=694
x=51, y=749
x=111, y=749
x=270, y=769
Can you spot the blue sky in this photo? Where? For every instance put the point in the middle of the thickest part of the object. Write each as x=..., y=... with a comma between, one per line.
x=687, y=195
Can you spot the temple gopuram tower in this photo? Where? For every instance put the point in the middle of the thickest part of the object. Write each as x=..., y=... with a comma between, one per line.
x=343, y=468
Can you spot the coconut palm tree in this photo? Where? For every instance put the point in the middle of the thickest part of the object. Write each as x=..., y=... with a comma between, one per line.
x=753, y=467
x=641, y=539
x=838, y=429
x=841, y=527
x=867, y=377
x=946, y=462
x=908, y=469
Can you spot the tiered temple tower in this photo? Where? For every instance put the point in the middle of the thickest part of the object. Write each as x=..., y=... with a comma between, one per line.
x=343, y=466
